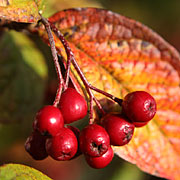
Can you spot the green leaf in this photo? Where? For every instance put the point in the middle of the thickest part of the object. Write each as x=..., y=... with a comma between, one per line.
x=22, y=78
x=20, y=172
x=40, y=4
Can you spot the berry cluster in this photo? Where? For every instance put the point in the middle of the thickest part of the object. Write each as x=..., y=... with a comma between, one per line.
x=52, y=136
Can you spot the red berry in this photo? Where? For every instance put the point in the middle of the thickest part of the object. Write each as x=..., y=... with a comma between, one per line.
x=139, y=106
x=63, y=146
x=119, y=129
x=140, y=124
x=49, y=120
x=35, y=146
x=101, y=161
x=72, y=105
x=94, y=140
x=76, y=131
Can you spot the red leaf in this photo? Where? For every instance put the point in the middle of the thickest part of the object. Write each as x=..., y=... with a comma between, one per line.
x=118, y=55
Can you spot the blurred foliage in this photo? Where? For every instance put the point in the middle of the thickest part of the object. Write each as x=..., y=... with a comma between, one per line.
x=8, y=135
x=22, y=78
x=54, y=6
x=24, y=85
x=163, y=16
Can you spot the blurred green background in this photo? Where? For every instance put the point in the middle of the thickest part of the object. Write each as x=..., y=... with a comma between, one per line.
x=28, y=80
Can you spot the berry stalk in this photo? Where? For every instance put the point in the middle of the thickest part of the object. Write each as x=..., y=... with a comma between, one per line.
x=119, y=101
x=71, y=59
x=61, y=83
x=69, y=53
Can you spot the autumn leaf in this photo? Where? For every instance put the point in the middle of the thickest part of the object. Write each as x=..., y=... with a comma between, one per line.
x=18, y=171
x=28, y=10
x=21, y=11
x=120, y=55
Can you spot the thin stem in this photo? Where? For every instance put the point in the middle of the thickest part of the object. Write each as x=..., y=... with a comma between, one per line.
x=71, y=58
x=55, y=59
x=69, y=53
x=102, y=92
x=86, y=84
x=119, y=101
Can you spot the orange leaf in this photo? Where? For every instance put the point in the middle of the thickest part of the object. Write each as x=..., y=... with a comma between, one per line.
x=119, y=55
x=21, y=11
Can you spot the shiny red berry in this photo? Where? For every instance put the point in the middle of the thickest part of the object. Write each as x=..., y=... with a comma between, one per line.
x=94, y=140
x=35, y=146
x=139, y=106
x=75, y=130
x=49, y=120
x=72, y=105
x=63, y=146
x=119, y=129
x=101, y=161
